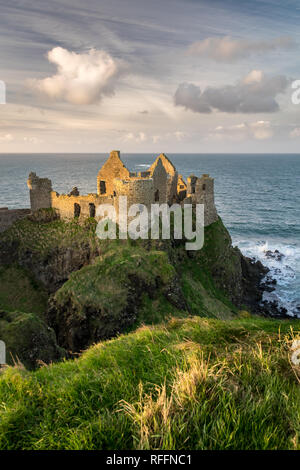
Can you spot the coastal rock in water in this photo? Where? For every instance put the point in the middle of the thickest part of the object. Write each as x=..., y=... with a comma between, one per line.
x=274, y=255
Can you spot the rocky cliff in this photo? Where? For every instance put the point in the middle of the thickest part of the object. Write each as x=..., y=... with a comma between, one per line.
x=99, y=289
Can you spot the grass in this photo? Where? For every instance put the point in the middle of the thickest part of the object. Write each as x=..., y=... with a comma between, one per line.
x=106, y=281
x=192, y=383
x=19, y=291
x=28, y=339
x=202, y=294
x=42, y=238
x=111, y=295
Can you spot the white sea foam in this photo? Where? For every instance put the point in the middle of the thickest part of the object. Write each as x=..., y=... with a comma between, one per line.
x=284, y=270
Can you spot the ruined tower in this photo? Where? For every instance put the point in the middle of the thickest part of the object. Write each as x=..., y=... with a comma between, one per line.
x=201, y=191
x=167, y=178
x=40, y=192
x=112, y=168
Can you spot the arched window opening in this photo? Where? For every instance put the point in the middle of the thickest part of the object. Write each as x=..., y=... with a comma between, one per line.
x=77, y=210
x=92, y=209
x=102, y=187
x=156, y=196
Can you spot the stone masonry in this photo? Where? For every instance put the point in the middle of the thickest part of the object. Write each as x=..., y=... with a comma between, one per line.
x=9, y=216
x=159, y=184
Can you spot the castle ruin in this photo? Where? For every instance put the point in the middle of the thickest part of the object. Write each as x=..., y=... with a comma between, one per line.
x=159, y=184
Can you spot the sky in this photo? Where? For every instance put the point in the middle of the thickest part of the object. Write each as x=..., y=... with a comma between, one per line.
x=149, y=76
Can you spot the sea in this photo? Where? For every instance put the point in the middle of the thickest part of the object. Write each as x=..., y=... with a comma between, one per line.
x=257, y=197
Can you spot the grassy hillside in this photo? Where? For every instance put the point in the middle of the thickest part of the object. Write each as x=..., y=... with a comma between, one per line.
x=105, y=298
x=192, y=383
x=42, y=238
x=29, y=340
x=19, y=291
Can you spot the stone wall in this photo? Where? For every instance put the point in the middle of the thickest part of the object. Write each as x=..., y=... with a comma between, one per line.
x=70, y=206
x=8, y=217
x=138, y=191
x=171, y=184
x=112, y=168
x=160, y=184
x=201, y=191
x=40, y=192
x=181, y=188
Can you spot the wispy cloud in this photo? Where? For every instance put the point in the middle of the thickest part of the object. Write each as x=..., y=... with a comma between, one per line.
x=259, y=130
x=6, y=138
x=227, y=49
x=139, y=137
x=295, y=133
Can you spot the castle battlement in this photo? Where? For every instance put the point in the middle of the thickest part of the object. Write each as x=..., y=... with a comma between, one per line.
x=158, y=184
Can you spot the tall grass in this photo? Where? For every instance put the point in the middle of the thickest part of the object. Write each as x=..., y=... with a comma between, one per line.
x=186, y=384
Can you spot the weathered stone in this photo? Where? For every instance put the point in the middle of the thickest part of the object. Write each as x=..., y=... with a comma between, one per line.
x=8, y=217
x=159, y=184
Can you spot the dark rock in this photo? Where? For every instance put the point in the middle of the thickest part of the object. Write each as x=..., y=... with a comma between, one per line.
x=54, y=271
x=174, y=295
x=253, y=273
x=274, y=254
x=28, y=339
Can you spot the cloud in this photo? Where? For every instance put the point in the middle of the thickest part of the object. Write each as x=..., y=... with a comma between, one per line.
x=32, y=140
x=139, y=137
x=255, y=93
x=190, y=96
x=258, y=130
x=227, y=49
x=6, y=138
x=178, y=135
x=81, y=78
x=295, y=133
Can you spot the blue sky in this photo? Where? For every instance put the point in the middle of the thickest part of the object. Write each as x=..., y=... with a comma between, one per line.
x=149, y=76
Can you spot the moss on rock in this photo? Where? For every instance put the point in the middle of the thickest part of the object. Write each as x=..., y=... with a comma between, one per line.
x=103, y=299
x=28, y=339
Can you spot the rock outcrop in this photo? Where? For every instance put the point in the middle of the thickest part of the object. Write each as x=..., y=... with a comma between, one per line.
x=28, y=339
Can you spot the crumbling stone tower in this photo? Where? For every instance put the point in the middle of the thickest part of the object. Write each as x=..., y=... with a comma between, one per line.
x=112, y=168
x=39, y=191
x=165, y=179
x=201, y=191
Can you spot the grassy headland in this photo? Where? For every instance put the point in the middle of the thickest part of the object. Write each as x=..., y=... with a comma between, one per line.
x=198, y=373
x=186, y=384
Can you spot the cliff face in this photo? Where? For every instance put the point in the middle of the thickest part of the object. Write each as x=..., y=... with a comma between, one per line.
x=237, y=277
x=99, y=289
x=124, y=286
x=28, y=339
x=49, y=248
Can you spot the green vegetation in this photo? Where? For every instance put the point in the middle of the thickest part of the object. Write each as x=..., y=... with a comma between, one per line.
x=95, y=284
x=19, y=291
x=186, y=384
x=42, y=238
x=28, y=339
x=201, y=293
x=201, y=375
x=103, y=299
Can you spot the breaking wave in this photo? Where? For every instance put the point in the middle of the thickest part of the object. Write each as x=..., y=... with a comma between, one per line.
x=283, y=260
